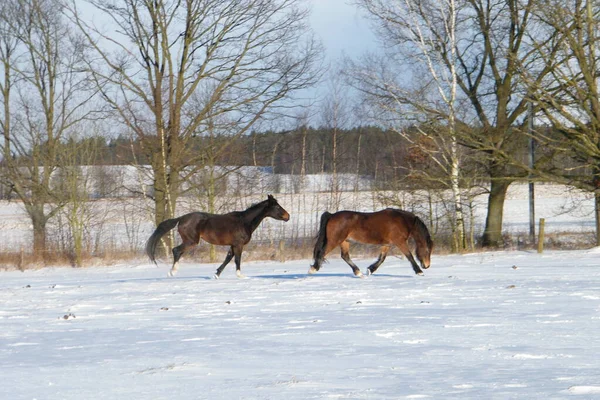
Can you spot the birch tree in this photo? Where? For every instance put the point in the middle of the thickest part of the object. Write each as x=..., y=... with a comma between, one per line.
x=491, y=46
x=420, y=26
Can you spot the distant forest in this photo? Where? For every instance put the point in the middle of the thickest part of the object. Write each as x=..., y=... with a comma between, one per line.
x=369, y=151
x=390, y=159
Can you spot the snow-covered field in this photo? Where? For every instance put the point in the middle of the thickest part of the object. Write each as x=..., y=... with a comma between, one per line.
x=127, y=223
x=499, y=325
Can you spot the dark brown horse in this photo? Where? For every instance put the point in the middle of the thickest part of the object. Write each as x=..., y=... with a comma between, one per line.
x=386, y=227
x=233, y=229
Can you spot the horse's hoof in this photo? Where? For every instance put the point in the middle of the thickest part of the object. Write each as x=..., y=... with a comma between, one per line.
x=312, y=270
x=420, y=273
x=359, y=274
x=172, y=273
x=216, y=276
x=369, y=273
x=240, y=275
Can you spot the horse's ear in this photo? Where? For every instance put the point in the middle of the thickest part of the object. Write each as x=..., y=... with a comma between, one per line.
x=270, y=197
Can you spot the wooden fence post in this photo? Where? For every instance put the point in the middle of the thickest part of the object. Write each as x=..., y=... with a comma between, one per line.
x=21, y=262
x=541, y=236
x=281, y=250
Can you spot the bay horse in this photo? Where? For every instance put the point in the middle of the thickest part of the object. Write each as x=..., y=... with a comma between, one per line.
x=387, y=227
x=233, y=229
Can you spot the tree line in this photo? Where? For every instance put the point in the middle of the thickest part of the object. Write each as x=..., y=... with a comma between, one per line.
x=391, y=160
x=365, y=150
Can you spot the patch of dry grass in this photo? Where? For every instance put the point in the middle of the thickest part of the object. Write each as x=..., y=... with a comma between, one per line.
x=279, y=251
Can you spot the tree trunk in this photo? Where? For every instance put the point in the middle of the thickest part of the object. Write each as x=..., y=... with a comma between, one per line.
x=303, y=165
x=212, y=208
x=334, y=177
x=163, y=204
x=597, y=212
x=492, y=236
x=39, y=235
x=461, y=243
x=461, y=239
x=596, y=184
x=357, y=172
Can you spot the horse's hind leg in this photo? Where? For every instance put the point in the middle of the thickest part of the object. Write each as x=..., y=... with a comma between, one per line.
x=373, y=267
x=177, y=253
x=331, y=244
x=222, y=267
x=237, y=253
x=403, y=246
x=345, y=246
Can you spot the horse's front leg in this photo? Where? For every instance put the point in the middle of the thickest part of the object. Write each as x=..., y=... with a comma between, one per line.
x=222, y=267
x=415, y=266
x=373, y=267
x=403, y=246
x=237, y=253
x=345, y=246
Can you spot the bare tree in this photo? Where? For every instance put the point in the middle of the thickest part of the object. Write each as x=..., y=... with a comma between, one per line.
x=245, y=58
x=8, y=48
x=489, y=46
x=335, y=118
x=42, y=68
x=570, y=97
x=73, y=182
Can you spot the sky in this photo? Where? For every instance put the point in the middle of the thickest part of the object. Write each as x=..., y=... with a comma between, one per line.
x=338, y=23
x=344, y=31
x=342, y=28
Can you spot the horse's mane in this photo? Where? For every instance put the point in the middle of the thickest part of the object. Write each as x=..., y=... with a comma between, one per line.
x=423, y=231
x=256, y=205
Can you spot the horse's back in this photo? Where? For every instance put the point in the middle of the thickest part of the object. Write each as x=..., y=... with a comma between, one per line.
x=380, y=227
x=213, y=228
x=406, y=217
x=385, y=217
x=192, y=219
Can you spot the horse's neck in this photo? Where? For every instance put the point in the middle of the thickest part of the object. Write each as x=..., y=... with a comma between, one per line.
x=254, y=216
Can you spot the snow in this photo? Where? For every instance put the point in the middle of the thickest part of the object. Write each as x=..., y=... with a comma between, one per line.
x=486, y=325
x=494, y=325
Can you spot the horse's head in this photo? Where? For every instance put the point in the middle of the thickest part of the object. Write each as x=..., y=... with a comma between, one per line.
x=424, y=251
x=424, y=243
x=274, y=210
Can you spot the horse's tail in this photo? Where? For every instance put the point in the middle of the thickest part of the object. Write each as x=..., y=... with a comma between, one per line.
x=319, y=252
x=422, y=230
x=160, y=231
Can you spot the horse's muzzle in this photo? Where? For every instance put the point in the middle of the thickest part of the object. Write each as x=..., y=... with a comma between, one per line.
x=285, y=217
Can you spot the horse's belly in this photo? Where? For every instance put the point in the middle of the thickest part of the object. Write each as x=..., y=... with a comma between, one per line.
x=367, y=237
x=225, y=238
x=219, y=240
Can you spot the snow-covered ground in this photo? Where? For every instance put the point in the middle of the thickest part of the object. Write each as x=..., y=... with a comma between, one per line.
x=499, y=325
x=496, y=325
